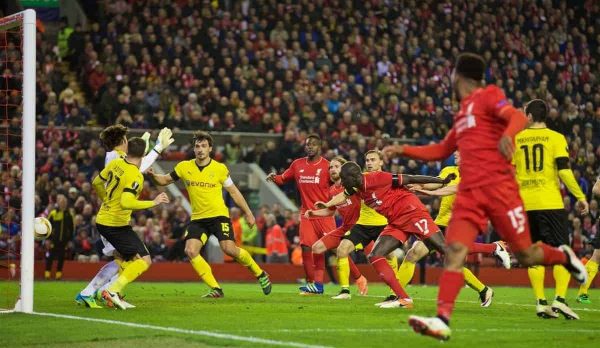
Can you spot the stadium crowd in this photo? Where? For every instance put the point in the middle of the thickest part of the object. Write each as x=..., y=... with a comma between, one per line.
x=361, y=74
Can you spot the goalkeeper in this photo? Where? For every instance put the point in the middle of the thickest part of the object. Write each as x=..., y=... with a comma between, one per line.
x=114, y=139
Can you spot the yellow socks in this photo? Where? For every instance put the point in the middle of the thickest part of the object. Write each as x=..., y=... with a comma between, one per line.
x=343, y=266
x=592, y=269
x=245, y=259
x=133, y=270
x=472, y=281
x=406, y=272
x=536, y=277
x=58, y=275
x=561, y=279
x=204, y=271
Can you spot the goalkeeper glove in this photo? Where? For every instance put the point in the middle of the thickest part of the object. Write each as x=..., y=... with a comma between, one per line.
x=164, y=140
x=146, y=137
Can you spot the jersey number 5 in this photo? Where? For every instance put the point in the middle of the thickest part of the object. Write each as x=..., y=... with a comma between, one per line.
x=517, y=218
x=109, y=181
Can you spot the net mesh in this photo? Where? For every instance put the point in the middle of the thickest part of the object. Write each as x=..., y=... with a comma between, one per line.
x=11, y=77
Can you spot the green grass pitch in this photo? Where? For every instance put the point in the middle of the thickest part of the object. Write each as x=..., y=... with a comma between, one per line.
x=287, y=319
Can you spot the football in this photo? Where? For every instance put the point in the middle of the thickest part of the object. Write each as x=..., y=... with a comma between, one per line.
x=41, y=228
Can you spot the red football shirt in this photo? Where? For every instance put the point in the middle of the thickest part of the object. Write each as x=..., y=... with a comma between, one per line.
x=478, y=127
x=349, y=210
x=377, y=193
x=312, y=181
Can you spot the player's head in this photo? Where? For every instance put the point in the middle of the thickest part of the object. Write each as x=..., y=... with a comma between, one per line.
x=536, y=110
x=335, y=165
x=136, y=147
x=114, y=136
x=351, y=176
x=312, y=146
x=374, y=160
x=203, y=144
x=457, y=158
x=470, y=67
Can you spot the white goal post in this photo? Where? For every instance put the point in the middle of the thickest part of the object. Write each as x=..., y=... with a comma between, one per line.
x=27, y=21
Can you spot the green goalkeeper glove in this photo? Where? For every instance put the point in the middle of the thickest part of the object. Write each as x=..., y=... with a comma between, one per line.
x=164, y=140
x=146, y=137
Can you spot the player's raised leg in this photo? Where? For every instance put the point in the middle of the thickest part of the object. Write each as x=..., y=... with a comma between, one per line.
x=139, y=265
x=244, y=258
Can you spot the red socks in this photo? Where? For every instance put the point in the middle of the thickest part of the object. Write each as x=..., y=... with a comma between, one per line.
x=354, y=272
x=482, y=248
x=450, y=285
x=552, y=256
x=319, y=267
x=309, y=265
x=387, y=275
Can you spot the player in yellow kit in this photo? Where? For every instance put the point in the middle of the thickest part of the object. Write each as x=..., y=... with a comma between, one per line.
x=541, y=158
x=205, y=179
x=420, y=250
x=119, y=185
x=592, y=265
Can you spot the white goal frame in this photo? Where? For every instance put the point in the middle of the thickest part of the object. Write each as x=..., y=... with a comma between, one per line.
x=27, y=20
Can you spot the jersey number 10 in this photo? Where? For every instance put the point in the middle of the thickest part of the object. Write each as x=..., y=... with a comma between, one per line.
x=537, y=156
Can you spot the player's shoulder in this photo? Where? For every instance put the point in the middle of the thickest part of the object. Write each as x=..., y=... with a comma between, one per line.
x=131, y=169
x=218, y=165
x=335, y=189
x=185, y=163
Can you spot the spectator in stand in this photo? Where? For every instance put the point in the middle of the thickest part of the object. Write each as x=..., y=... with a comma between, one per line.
x=276, y=243
x=63, y=227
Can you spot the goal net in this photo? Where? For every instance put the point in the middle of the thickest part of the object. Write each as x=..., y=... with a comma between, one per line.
x=17, y=161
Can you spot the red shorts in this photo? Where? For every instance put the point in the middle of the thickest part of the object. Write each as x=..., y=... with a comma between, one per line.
x=499, y=203
x=418, y=223
x=311, y=230
x=331, y=240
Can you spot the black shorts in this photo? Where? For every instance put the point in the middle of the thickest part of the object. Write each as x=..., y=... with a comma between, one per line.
x=549, y=226
x=201, y=229
x=362, y=235
x=125, y=241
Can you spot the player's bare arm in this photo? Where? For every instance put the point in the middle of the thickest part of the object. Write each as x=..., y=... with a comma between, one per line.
x=319, y=212
x=440, y=192
x=425, y=179
x=160, y=179
x=516, y=123
x=240, y=201
x=336, y=200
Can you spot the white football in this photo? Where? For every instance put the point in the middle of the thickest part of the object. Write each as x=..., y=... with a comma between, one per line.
x=42, y=228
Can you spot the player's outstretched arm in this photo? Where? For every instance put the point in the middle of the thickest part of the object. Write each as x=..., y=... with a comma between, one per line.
x=319, y=212
x=240, y=201
x=160, y=179
x=336, y=200
x=128, y=201
x=424, y=179
x=433, y=152
x=164, y=140
x=440, y=192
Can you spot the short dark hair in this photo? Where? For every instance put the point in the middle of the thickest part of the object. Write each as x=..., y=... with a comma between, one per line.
x=375, y=151
x=314, y=136
x=113, y=136
x=470, y=65
x=202, y=135
x=136, y=147
x=538, y=110
x=351, y=176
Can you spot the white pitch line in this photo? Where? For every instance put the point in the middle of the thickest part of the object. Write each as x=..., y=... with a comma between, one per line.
x=410, y=330
x=226, y=336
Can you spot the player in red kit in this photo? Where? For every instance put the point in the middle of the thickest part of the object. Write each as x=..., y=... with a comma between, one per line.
x=350, y=212
x=483, y=132
x=311, y=174
x=385, y=193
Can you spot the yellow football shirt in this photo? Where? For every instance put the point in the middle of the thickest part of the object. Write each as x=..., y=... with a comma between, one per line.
x=205, y=187
x=536, y=151
x=446, y=202
x=369, y=217
x=119, y=176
